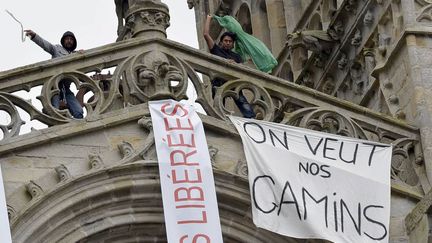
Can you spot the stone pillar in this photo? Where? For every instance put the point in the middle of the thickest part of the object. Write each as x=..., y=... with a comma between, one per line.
x=143, y=18
x=405, y=75
x=419, y=49
x=277, y=25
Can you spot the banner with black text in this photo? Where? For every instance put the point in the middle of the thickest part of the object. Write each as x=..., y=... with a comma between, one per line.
x=308, y=184
x=186, y=175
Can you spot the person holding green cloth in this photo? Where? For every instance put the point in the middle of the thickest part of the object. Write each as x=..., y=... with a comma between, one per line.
x=247, y=46
x=224, y=50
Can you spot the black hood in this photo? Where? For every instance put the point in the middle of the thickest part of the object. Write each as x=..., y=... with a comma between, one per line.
x=68, y=33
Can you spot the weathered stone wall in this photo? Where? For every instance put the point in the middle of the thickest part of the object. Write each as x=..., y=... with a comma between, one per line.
x=89, y=179
x=38, y=163
x=396, y=84
x=55, y=181
x=420, y=106
x=400, y=207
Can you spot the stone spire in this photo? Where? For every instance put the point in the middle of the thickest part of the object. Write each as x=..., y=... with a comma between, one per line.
x=141, y=18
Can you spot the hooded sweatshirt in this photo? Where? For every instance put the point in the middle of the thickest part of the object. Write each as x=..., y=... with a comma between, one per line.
x=55, y=50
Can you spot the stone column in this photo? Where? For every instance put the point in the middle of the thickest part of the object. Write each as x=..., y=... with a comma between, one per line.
x=419, y=49
x=143, y=18
x=405, y=75
x=277, y=25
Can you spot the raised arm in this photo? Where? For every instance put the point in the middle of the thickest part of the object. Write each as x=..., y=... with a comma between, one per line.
x=48, y=47
x=207, y=37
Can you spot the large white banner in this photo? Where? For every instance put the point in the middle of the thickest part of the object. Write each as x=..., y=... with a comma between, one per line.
x=186, y=175
x=5, y=235
x=308, y=184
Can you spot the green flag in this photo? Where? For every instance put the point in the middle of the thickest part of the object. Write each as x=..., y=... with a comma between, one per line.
x=247, y=46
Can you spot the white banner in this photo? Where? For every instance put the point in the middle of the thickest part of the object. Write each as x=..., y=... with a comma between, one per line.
x=5, y=235
x=186, y=175
x=308, y=184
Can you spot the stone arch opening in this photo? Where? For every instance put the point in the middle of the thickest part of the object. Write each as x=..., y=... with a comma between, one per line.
x=260, y=23
x=244, y=18
x=123, y=204
x=315, y=22
x=328, y=10
x=286, y=72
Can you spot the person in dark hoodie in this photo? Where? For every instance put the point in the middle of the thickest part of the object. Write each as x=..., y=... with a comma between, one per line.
x=68, y=46
x=224, y=49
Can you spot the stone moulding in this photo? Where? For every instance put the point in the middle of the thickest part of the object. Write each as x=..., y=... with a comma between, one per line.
x=213, y=150
x=63, y=173
x=11, y=212
x=95, y=162
x=126, y=149
x=263, y=86
x=34, y=190
x=75, y=210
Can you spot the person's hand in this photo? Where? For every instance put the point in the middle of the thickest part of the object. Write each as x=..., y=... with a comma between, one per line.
x=81, y=51
x=30, y=33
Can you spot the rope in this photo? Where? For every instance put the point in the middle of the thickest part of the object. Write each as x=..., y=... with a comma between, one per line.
x=23, y=37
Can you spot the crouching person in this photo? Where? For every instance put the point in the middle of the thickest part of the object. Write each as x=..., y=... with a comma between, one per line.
x=68, y=45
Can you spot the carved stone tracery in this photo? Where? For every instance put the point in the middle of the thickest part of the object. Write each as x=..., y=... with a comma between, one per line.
x=82, y=82
x=324, y=120
x=425, y=14
x=14, y=126
x=152, y=75
x=260, y=99
x=404, y=163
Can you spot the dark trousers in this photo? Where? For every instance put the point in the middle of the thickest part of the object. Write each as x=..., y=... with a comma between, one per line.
x=69, y=98
x=242, y=103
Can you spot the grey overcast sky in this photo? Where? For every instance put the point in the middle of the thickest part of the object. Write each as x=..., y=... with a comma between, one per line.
x=94, y=23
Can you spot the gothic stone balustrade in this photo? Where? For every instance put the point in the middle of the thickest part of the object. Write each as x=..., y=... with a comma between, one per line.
x=148, y=69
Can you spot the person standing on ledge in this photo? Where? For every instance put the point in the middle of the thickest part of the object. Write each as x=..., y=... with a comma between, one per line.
x=68, y=46
x=224, y=49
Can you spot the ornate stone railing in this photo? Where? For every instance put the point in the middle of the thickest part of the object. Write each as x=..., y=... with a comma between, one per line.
x=148, y=69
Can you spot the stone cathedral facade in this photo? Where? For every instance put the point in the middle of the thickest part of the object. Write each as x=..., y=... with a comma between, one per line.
x=358, y=68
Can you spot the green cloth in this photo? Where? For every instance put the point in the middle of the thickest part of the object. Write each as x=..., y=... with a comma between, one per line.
x=248, y=46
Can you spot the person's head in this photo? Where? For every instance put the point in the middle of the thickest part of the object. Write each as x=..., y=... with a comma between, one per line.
x=68, y=41
x=227, y=40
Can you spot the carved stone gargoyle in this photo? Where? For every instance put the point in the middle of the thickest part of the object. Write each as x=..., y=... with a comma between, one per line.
x=317, y=41
x=225, y=8
x=192, y=3
x=320, y=42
